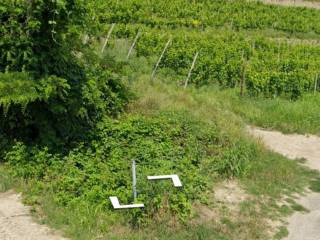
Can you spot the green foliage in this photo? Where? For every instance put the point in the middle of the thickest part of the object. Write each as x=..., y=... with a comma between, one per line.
x=40, y=80
x=35, y=35
x=237, y=161
x=18, y=88
x=48, y=94
x=167, y=143
x=266, y=67
x=227, y=59
x=239, y=14
x=301, y=116
x=4, y=144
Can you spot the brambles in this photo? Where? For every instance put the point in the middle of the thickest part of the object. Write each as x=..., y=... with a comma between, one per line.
x=161, y=144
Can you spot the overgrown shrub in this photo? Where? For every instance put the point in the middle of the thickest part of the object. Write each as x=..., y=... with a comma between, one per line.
x=48, y=94
x=167, y=143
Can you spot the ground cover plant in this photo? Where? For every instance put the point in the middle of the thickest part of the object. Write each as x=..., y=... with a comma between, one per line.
x=163, y=132
x=279, y=114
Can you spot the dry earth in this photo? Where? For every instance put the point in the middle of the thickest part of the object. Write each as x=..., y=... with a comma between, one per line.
x=296, y=3
x=16, y=222
x=301, y=226
x=231, y=194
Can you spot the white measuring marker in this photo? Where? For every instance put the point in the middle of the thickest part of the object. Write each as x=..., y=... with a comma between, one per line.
x=175, y=179
x=116, y=204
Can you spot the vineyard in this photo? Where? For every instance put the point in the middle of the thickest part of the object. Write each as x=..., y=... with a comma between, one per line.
x=240, y=14
x=227, y=57
x=267, y=67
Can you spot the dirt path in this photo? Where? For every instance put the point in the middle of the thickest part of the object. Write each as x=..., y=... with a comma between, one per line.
x=304, y=226
x=16, y=222
x=295, y=3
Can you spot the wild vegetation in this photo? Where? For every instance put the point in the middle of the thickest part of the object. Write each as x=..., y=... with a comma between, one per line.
x=48, y=95
x=73, y=117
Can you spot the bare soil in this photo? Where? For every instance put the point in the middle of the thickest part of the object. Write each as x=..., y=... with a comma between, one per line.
x=301, y=225
x=295, y=3
x=16, y=222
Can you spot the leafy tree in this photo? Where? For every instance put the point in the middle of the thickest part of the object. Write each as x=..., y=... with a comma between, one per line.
x=47, y=93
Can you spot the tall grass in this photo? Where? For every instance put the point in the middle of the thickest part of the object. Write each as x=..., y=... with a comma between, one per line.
x=301, y=116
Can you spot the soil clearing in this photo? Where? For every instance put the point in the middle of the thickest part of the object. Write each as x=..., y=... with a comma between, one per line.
x=300, y=225
x=16, y=222
x=294, y=3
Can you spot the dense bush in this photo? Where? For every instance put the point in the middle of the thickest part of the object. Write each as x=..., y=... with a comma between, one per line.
x=167, y=143
x=49, y=91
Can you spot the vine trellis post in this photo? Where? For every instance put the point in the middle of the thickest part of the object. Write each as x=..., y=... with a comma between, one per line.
x=243, y=78
x=159, y=60
x=315, y=84
x=279, y=49
x=108, y=37
x=133, y=44
x=190, y=71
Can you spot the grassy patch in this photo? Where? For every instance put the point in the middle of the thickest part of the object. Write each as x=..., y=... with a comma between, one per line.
x=315, y=184
x=301, y=116
x=6, y=181
x=273, y=175
x=282, y=233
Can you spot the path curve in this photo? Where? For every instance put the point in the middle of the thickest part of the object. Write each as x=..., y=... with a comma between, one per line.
x=16, y=222
x=301, y=225
x=294, y=3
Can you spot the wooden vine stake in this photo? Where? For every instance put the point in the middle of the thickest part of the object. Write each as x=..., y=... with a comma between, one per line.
x=315, y=84
x=243, y=79
x=159, y=60
x=108, y=36
x=133, y=44
x=253, y=46
x=190, y=71
x=279, y=49
x=231, y=24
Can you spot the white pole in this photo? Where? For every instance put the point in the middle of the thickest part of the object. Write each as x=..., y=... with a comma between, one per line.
x=159, y=60
x=134, y=180
x=108, y=36
x=133, y=44
x=190, y=71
